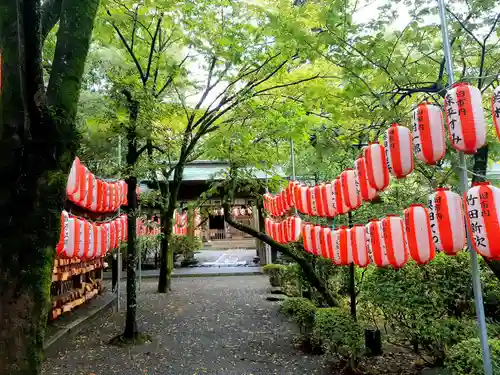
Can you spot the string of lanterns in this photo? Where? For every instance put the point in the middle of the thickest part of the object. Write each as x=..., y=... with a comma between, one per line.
x=90, y=192
x=393, y=240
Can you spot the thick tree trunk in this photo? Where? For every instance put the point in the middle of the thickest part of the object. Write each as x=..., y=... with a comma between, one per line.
x=166, y=255
x=36, y=145
x=131, y=329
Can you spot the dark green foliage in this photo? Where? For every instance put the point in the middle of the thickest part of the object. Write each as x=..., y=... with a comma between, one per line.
x=465, y=358
x=302, y=311
x=338, y=333
x=183, y=245
x=427, y=308
x=292, y=280
x=274, y=271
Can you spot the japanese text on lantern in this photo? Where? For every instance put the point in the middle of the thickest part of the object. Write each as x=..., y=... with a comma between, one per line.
x=452, y=114
x=435, y=213
x=477, y=208
x=387, y=143
x=418, y=124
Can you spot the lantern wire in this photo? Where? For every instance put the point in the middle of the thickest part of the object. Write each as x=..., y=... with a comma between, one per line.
x=474, y=173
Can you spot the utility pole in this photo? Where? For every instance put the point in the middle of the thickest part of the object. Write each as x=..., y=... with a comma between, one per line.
x=464, y=183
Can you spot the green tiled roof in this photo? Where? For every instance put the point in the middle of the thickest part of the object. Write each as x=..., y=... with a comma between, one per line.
x=206, y=170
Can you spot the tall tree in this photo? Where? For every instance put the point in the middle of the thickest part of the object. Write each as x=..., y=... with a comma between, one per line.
x=37, y=143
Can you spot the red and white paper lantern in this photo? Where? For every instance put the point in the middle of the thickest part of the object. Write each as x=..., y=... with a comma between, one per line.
x=396, y=246
x=338, y=201
x=495, y=109
x=419, y=234
x=316, y=239
x=325, y=251
x=311, y=202
x=376, y=166
x=482, y=204
x=329, y=201
x=376, y=243
x=366, y=191
x=398, y=151
x=465, y=117
x=303, y=200
x=341, y=247
x=307, y=237
x=359, y=246
x=447, y=221
x=428, y=133
x=350, y=193
x=318, y=194
x=295, y=228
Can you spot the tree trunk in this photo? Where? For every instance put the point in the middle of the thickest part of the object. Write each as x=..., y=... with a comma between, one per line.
x=131, y=329
x=36, y=148
x=166, y=256
x=169, y=196
x=304, y=264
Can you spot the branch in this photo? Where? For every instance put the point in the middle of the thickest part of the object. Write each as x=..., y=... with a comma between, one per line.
x=464, y=27
x=129, y=50
x=152, y=49
x=309, y=272
x=492, y=29
x=51, y=11
x=171, y=78
x=291, y=83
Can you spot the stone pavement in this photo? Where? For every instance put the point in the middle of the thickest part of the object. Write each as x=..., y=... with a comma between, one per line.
x=209, y=326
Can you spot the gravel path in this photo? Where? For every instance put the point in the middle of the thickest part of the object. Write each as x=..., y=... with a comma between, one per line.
x=215, y=326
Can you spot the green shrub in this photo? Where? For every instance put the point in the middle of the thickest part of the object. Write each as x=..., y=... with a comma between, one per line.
x=338, y=333
x=426, y=307
x=182, y=245
x=465, y=357
x=274, y=272
x=291, y=280
x=302, y=311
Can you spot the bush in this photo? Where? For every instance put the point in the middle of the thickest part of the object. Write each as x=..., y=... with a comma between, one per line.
x=338, y=333
x=465, y=358
x=182, y=245
x=426, y=307
x=302, y=311
x=274, y=272
x=291, y=280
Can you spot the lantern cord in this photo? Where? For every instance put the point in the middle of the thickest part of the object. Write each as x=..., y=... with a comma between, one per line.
x=474, y=173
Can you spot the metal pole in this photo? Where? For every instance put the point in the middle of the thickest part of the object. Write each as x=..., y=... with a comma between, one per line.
x=119, y=271
x=292, y=158
x=464, y=183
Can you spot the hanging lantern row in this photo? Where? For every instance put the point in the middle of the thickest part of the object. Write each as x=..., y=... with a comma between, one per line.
x=150, y=228
x=380, y=242
x=86, y=190
x=391, y=240
x=82, y=239
x=181, y=219
x=279, y=204
x=285, y=231
x=180, y=230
